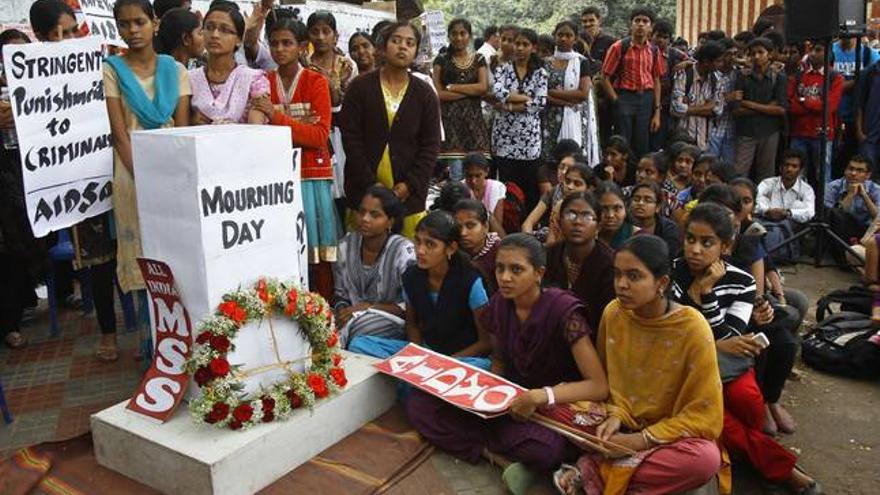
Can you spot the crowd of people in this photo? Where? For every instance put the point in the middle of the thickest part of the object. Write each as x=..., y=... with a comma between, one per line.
x=600, y=234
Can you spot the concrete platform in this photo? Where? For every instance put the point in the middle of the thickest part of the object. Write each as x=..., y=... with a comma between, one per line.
x=180, y=457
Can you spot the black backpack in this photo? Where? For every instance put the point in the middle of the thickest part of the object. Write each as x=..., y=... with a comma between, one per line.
x=855, y=299
x=777, y=233
x=840, y=345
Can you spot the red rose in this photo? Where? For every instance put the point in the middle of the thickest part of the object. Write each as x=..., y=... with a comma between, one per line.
x=203, y=338
x=338, y=375
x=337, y=358
x=227, y=308
x=219, y=366
x=243, y=412
x=295, y=400
x=333, y=339
x=220, y=343
x=318, y=385
x=262, y=290
x=292, y=297
x=235, y=425
x=268, y=404
x=218, y=413
x=239, y=315
x=203, y=375
x=268, y=416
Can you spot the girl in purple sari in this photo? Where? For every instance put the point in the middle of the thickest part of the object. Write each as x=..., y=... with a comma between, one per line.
x=541, y=340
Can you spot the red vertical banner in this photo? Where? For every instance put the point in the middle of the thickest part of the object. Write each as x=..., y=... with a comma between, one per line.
x=164, y=384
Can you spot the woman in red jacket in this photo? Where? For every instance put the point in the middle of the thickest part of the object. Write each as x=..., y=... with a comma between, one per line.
x=300, y=99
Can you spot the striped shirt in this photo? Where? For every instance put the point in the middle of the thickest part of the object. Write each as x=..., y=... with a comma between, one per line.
x=728, y=308
x=639, y=69
x=701, y=91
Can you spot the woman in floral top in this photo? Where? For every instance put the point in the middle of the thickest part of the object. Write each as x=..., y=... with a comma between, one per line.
x=521, y=91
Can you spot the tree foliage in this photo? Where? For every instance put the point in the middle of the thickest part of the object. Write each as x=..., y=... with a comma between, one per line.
x=542, y=15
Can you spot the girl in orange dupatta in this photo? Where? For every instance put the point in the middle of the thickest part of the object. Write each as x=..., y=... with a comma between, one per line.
x=666, y=401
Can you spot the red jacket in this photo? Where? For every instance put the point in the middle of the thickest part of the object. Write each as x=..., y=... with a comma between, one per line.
x=805, y=117
x=313, y=89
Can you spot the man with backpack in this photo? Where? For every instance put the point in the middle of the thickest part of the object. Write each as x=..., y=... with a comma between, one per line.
x=697, y=98
x=844, y=57
x=672, y=57
x=632, y=71
x=806, y=102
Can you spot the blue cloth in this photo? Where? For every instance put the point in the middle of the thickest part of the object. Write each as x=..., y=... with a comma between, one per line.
x=322, y=225
x=384, y=348
x=845, y=64
x=684, y=196
x=810, y=148
x=869, y=96
x=150, y=114
x=477, y=298
x=836, y=190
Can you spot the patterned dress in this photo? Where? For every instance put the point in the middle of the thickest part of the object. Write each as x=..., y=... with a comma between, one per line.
x=466, y=131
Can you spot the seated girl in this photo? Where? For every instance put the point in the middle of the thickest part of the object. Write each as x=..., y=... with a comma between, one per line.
x=644, y=210
x=565, y=153
x=540, y=214
x=725, y=295
x=368, y=297
x=653, y=168
x=444, y=296
x=578, y=262
x=476, y=239
x=617, y=165
x=578, y=178
x=672, y=418
x=541, y=341
x=614, y=228
x=683, y=156
x=488, y=191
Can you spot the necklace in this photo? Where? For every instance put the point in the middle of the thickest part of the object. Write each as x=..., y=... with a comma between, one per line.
x=572, y=269
x=469, y=59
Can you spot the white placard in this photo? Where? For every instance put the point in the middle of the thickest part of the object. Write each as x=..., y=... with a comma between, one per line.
x=436, y=27
x=222, y=206
x=349, y=18
x=99, y=17
x=57, y=96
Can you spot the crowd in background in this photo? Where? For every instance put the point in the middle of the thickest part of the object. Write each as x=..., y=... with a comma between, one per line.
x=588, y=216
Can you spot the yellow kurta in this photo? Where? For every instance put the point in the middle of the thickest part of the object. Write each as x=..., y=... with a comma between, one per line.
x=663, y=376
x=128, y=232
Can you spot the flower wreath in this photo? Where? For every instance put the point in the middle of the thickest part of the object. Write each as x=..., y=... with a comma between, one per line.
x=221, y=401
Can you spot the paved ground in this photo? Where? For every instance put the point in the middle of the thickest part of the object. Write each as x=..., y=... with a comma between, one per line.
x=53, y=386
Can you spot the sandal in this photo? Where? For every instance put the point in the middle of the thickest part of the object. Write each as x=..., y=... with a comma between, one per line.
x=15, y=340
x=814, y=488
x=107, y=353
x=575, y=480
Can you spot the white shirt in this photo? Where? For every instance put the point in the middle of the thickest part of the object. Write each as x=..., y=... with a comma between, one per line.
x=799, y=199
x=487, y=51
x=495, y=192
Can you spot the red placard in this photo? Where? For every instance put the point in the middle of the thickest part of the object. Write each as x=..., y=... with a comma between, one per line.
x=165, y=382
x=467, y=387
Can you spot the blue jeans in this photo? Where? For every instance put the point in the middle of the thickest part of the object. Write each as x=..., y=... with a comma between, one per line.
x=632, y=119
x=724, y=147
x=810, y=147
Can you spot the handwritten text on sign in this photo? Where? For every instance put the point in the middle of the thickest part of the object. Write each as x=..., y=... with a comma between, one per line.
x=57, y=96
x=165, y=382
x=99, y=14
x=460, y=384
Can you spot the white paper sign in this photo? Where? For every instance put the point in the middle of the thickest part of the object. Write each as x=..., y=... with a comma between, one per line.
x=349, y=18
x=99, y=16
x=436, y=27
x=57, y=96
x=222, y=206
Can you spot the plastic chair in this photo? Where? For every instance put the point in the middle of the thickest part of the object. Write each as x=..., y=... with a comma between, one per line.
x=4, y=407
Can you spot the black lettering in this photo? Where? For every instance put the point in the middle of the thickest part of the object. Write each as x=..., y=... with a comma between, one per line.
x=258, y=227
x=230, y=233
x=89, y=196
x=251, y=198
x=211, y=202
x=71, y=199
x=228, y=202
x=246, y=235
x=106, y=191
x=43, y=211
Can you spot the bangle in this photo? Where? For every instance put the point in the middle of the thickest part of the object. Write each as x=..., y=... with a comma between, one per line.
x=551, y=398
x=646, y=439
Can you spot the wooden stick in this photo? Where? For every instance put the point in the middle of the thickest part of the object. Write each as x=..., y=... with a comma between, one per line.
x=562, y=427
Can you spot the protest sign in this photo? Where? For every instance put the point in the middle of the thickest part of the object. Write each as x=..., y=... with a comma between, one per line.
x=57, y=95
x=462, y=385
x=164, y=384
x=221, y=205
x=349, y=18
x=99, y=17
